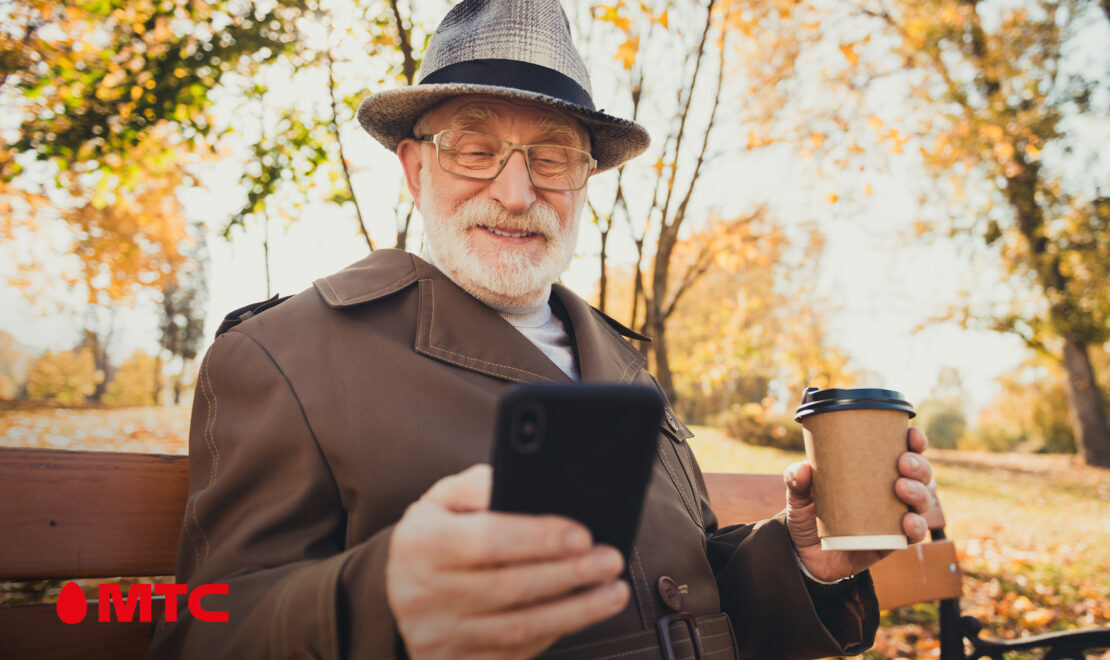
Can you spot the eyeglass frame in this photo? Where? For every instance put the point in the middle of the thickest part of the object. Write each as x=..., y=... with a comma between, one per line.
x=433, y=138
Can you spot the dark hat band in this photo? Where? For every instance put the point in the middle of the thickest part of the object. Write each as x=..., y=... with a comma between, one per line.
x=512, y=74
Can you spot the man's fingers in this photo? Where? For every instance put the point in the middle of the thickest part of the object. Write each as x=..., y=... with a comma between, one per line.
x=488, y=538
x=917, y=441
x=513, y=586
x=468, y=490
x=540, y=625
x=915, y=527
x=798, y=478
x=915, y=466
x=914, y=493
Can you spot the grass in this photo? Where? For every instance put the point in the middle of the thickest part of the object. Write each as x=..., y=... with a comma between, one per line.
x=1032, y=533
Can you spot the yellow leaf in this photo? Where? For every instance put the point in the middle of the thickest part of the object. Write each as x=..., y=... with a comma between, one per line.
x=136, y=92
x=850, y=53
x=832, y=198
x=875, y=121
x=817, y=139
x=1039, y=617
x=661, y=19
x=658, y=166
x=867, y=190
x=626, y=54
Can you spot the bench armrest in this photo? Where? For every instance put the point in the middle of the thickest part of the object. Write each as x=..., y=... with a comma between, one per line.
x=1058, y=645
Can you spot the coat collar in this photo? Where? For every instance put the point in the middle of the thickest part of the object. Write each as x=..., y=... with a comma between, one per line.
x=456, y=328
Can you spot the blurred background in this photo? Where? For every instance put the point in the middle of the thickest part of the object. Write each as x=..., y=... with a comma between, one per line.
x=912, y=194
x=901, y=194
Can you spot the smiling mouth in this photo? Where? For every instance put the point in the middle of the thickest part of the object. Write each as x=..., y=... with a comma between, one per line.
x=508, y=234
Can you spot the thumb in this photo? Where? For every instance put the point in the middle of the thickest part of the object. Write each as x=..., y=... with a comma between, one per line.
x=801, y=512
x=464, y=491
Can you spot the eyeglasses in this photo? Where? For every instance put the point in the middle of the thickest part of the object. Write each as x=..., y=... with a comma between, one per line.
x=481, y=157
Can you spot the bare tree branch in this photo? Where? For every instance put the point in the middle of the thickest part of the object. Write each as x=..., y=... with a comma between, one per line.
x=408, y=66
x=334, y=125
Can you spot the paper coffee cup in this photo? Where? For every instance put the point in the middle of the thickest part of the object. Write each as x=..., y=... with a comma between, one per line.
x=853, y=439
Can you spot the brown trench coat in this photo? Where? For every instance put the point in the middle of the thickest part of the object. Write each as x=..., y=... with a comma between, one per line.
x=316, y=423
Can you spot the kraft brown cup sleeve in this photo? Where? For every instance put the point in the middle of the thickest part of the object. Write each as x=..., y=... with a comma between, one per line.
x=854, y=454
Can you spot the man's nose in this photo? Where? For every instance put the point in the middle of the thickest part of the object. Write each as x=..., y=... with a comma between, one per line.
x=512, y=187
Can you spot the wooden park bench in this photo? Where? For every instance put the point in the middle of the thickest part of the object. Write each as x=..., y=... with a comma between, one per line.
x=67, y=514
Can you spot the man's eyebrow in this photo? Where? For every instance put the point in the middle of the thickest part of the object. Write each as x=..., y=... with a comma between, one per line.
x=471, y=116
x=560, y=132
x=548, y=129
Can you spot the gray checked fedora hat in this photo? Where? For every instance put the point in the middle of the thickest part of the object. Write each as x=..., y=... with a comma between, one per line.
x=517, y=49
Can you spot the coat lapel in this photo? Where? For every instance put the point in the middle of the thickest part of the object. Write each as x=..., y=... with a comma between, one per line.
x=454, y=327
x=604, y=356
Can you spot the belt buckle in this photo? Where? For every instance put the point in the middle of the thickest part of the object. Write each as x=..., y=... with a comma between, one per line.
x=663, y=627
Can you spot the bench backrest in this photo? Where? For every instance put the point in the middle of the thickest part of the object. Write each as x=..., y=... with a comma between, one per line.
x=67, y=514
x=921, y=573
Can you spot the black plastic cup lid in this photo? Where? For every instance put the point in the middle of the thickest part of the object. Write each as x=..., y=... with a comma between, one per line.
x=816, y=401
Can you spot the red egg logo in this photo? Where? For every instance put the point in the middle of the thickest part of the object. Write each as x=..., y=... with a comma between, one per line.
x=72, y=605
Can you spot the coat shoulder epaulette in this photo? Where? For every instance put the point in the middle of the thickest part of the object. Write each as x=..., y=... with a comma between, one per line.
x=246, y=311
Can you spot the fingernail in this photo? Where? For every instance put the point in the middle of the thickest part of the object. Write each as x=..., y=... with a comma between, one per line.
x=576, y=540
x=616, y=593
x=611, y=561
x=914, y=463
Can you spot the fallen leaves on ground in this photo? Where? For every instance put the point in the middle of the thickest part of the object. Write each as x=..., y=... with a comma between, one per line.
x=151, y=430
x=1032, y=535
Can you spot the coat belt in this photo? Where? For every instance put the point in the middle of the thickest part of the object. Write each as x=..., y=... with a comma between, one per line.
x=715, y=631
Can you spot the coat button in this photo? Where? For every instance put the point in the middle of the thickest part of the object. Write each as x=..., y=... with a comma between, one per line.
x=670, y=593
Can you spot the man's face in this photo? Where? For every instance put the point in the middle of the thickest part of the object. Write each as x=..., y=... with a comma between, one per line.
x=504, y=240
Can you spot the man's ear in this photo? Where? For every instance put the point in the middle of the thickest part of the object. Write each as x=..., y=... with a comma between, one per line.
x=411, y=154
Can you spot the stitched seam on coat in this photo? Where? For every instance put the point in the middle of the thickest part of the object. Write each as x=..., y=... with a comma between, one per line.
x=693, y=489
x=581, y=647
x=331, y=289
x=666, y=466
x=636, y=356
x=392, y=287
x=648, y=616
x=300, y=407
x=466, y=360
x=323, y=614
x=707, y=653
x=619, y=655
x=209, y=423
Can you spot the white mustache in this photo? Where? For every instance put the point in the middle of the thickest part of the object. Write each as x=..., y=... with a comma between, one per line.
x=538, y=219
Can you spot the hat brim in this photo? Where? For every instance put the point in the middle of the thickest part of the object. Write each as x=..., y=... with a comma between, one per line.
x=389, y=116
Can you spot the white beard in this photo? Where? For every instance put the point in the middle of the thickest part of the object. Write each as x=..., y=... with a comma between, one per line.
x=507, y=278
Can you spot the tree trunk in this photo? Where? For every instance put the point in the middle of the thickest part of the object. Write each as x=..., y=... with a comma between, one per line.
x=603, y=280
x=1088, y=418
x=655, y=326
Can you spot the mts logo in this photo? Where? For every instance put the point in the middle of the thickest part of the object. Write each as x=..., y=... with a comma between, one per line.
x=72, y=606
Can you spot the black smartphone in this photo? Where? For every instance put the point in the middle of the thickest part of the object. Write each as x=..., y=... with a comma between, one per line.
x=582, y=451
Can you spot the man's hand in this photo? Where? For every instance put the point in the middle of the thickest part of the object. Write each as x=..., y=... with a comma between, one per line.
x=463, y=581
x=801, y=516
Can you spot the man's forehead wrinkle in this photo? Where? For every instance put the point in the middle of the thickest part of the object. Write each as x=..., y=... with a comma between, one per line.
x=550, y=126
x=475, y=114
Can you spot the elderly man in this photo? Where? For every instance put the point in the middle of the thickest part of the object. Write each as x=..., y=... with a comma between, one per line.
x=338, y=482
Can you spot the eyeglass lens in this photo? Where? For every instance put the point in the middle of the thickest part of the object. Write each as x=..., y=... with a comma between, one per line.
x=481, y=156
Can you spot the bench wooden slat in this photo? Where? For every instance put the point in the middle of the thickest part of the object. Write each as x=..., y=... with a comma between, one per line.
x=921, y=573
x=89, y=514
x=744, y=498
x=34, y=631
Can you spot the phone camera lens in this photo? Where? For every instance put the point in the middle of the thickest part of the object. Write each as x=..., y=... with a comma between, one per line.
x=528, y=437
